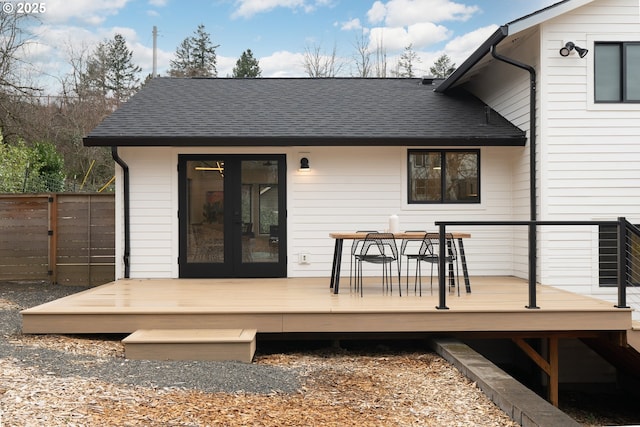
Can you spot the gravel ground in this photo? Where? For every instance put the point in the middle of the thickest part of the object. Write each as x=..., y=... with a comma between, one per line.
x=62, y=380
x=56, y=380
x=226, y=377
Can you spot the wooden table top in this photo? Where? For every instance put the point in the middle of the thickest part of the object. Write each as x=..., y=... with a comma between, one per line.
x=398, y=235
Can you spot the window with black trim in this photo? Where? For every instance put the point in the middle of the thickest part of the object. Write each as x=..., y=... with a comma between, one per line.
x=444, y=176
x=616, y=72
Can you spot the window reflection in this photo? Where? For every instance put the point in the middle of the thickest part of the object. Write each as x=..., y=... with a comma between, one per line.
x=460, y=170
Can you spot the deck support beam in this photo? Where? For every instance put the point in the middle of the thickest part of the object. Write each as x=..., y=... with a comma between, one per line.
x=549, y=365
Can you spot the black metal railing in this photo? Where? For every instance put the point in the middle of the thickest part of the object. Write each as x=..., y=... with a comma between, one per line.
x=628, y=253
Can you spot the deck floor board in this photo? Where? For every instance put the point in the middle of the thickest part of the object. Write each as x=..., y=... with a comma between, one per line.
x=307, y=305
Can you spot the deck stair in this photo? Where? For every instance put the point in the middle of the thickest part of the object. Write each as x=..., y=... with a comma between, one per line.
x=622, y=353
x=191, y=344
x=633, y=336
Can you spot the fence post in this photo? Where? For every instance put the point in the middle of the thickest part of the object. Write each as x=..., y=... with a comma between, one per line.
x=53, y=238
x=533, y=247
x=442, y=272
x=623, y=263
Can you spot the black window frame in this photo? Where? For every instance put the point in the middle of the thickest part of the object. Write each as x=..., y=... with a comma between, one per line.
x=622, y=90
x=443, y=165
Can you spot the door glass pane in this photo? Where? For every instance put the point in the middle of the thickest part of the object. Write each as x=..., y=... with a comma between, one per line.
x=205, y=211
x=260, y=216
x=632, y=65
x=608, y=72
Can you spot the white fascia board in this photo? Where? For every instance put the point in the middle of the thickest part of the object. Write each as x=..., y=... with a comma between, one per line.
x=543, y=15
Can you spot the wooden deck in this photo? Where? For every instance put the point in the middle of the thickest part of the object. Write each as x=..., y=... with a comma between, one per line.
x=306, y=305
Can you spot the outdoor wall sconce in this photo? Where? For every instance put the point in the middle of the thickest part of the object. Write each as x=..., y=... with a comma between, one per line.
x=304, y=164
x=569, y=46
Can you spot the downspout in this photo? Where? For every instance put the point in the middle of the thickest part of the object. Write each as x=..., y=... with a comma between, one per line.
x=532, y=126
x=127, y=240
x=532, y=167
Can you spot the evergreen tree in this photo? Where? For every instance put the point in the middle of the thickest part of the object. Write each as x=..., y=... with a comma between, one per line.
x=195, y=56
x=110, y=71
x=122, y=75
x=182, y=61
x=247, y=66
x=406, y=61
x=442, y=67
x=93, y=80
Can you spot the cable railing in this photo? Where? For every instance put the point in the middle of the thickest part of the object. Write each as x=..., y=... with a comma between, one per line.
x=618, y=258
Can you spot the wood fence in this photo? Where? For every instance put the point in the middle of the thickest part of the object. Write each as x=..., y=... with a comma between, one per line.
x=65, y=238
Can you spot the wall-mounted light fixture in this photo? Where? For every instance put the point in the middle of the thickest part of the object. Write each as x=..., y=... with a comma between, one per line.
x=569, y=46
x=304, y=164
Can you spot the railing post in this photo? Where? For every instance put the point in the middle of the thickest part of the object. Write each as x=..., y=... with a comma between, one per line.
x=623, y=263
x=533, y=247
x=442, y=272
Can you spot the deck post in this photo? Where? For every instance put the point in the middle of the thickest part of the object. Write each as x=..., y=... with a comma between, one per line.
x=532, y=265
x=549, y=364
x=442, y=272
x=623, y=263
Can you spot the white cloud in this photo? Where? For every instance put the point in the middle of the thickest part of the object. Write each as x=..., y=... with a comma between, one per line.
x=283, y=64
x=424, y=34
x=158, y=3
x=377, y=12
x=93, y=12
x=354, y=24
x=460, y=48
x=420, y=36
x=248, y=8
x=224, y=65
x=398, y=13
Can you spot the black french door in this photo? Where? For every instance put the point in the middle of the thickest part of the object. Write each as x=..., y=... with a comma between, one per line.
x=232, y=212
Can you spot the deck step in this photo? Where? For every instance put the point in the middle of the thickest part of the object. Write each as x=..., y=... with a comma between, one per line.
x=191, y=344
x=633, y=335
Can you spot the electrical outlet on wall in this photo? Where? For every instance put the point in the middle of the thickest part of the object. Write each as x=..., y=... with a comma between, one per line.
x=303, y=258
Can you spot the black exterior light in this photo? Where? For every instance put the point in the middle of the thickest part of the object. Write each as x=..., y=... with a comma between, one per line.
x=569, y=46
x=304, y=164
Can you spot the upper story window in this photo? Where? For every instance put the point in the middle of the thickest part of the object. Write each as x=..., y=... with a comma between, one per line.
x=616, y=72
x=444, y=176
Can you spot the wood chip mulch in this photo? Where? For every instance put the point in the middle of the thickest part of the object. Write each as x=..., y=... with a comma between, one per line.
x=413, y=389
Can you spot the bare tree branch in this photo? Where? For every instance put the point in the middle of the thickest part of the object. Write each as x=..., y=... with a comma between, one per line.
x=318, y=64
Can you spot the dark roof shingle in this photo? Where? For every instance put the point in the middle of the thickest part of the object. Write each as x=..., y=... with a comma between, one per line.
x=300, y=111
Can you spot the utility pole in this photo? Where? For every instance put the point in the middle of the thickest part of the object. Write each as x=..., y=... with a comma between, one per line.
x=155, y=52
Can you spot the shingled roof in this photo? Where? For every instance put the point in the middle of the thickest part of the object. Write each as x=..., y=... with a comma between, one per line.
x=301, y=112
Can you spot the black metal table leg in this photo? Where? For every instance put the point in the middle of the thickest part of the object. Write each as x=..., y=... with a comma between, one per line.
x=335, y=269
x=452, y=279
x=465, y=272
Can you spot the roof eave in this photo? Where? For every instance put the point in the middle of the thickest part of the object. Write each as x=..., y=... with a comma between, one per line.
x=499, y=35
x=149, y=141
x=513, y=27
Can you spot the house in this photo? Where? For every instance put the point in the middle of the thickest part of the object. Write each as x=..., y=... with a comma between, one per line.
x=247, y=178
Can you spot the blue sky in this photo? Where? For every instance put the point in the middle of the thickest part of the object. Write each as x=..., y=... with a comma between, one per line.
x=277, y=31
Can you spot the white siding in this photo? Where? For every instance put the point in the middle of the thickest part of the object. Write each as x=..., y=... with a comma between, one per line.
x=588, y=157
x=347, y=189
x=587, y=153
x=590, y=168
x=153, y=211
